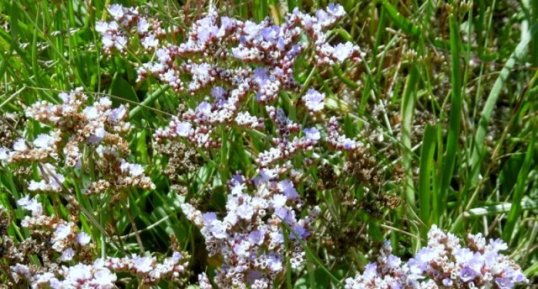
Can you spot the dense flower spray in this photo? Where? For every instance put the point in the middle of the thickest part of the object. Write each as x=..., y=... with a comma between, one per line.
x=443, y=263
x=76, y=125
x=237, y=62
x=68, y=261
x=259, y=231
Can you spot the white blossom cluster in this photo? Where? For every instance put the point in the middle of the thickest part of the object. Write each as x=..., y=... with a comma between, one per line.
x=76, y=125
x=443, y=263
x=64, y=237
x=258, y=233
x=240, y=58
x=72, y=245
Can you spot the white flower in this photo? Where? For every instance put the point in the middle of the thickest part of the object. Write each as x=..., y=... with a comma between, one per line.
x=314, y=100
x=20, y=145
x=312, y=133
x=143, y=264
x=343, y=51
x=44, y=141
x=184, y=128
x=31, y=205
x=4, y=154
x=100, y=27
x=83, y=239
x=61, y=232
x=142, y=26
x=67, y=255
x=150, y=41
x=116, y=10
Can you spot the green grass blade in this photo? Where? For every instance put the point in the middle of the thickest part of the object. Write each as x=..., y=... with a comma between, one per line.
x=425, y=178
x=449, y=159
x=519, y=191
x=477, y=151
x=407, y=110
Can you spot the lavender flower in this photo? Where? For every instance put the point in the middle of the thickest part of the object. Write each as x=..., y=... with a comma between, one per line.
x=443, y=263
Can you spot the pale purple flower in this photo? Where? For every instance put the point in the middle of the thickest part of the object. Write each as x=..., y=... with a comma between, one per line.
x=312, y=133
x=313, y=100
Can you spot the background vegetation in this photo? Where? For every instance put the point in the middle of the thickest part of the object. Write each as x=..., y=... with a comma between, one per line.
x=446, y=98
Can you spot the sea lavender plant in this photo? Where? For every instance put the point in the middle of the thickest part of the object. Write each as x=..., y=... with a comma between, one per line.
x=75, y=125
x=259, y=231
x=214, y=56
x=68, y=262
x=235, y=61
x=443, y=263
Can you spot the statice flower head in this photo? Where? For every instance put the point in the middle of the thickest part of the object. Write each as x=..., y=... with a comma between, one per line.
x=74, y=265
x=240, y=59
x=251, y=236
x=75, y=125
x=444, y=263
x=313, y=100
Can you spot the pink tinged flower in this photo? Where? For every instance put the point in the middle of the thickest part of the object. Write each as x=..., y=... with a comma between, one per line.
x=184, y=129
x=312, y=133
x=314, y=100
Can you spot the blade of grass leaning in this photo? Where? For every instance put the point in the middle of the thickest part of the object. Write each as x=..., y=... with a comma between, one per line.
x=449, y=158
x=148, y=100
x=407, y=111
x=400, y=21
x=425, y=178
x=519, y=191
x=477, y=149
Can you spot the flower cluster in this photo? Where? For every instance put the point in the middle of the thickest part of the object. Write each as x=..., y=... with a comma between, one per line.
x=443, y=263
x=258, y=233
x=75, y=126
x=63, y=237
x=269, y=51
x=148, y=269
